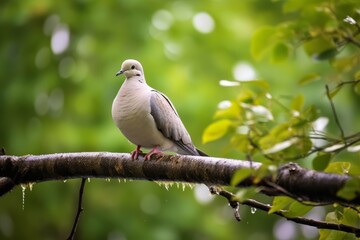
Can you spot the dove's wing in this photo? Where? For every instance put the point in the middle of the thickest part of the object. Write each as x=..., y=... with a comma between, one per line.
x=169, y=123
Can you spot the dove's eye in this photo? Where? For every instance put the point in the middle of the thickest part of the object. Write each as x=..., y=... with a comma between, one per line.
x=133, y=67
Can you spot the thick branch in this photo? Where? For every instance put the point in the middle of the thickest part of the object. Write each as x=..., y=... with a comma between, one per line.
x=291, y=180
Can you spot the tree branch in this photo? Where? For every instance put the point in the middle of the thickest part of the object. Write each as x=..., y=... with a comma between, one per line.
x=6, y=184
x=301, y=183
x=300, y=220
x=79, y=209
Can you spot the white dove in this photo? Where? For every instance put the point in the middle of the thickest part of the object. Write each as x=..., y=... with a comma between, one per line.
x=147, y=118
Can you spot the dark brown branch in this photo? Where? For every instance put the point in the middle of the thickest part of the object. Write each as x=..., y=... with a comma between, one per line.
x=300, y=220
x=79, y=210
x=301, y=183
x=6, y=184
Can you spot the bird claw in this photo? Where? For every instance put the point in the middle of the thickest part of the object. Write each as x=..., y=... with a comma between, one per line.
x=135, y=154
x=154, y=151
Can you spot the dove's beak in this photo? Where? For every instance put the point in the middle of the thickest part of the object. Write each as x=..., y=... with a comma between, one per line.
x=120, y=72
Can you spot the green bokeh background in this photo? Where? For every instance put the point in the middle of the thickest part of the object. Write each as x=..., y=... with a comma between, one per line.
x=62, y=103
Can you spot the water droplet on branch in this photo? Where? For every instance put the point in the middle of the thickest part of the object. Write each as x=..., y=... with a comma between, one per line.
x=253, y=210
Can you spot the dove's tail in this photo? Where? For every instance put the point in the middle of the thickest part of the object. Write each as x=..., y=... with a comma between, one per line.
x=201, y=153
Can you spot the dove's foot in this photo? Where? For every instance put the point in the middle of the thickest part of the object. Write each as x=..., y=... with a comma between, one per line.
x=154, y=151
x=135, y=153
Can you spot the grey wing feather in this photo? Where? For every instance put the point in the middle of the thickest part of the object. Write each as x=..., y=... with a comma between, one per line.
x=169, y=123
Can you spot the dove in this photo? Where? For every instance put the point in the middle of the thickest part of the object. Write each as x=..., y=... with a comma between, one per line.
x=147, y=118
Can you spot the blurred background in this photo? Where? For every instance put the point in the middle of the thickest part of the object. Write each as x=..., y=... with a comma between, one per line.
x=57, y=83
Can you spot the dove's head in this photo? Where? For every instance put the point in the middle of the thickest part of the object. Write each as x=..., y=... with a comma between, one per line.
x=131, y=68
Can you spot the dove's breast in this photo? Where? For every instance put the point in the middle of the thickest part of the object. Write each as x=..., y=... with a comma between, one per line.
x=131, y=113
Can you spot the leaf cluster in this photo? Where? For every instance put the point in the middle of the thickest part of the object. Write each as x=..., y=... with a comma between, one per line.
x=275, y=130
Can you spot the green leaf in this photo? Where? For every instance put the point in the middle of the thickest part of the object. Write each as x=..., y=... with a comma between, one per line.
x=246, y=193
x=331, y=234
x=260, y=113
x=277, y=134
x=357, y=88
x=302, y=147
x=280, y=52
x=297, y=103
x=351, y=189
x=344, y=64
x=216, y=130
x=332, y=217
x=266, y=170
x=320, y=22
x=281, y=146
x=241, y=142
x=338, y=167
x=320, y=48
x=311, y=113
x=354, y=170
x=240, y=175
x=327, y=54
x=293, y=5
x=309, y=78
x=232, y=112
x=357, y=76
x=297, y=209
x=350, y=217
x=262, y=41
x=280, y=203
x=293, y=208
x=260, y=83
x=321, y=161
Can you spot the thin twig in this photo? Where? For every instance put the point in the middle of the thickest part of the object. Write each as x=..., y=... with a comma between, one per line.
x=300, y=220
x=79, y=210
x=352, y=40
x=282, y=190
x=349, y=141
x=230, y=197
x=347, y=82
x=334, y=112
x=339, y=85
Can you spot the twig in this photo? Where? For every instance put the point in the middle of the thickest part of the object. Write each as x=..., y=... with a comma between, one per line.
x=334, y=112
x=347, y=82
x=352, y=40
x=349, y=141
x=300, y=220
x=230, y=197
x=349, y=37
x=79, y=210
x=282, y=190
x=339, y=85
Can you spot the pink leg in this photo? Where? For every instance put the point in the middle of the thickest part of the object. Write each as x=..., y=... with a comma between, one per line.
x=154, y=151
x=136, y=152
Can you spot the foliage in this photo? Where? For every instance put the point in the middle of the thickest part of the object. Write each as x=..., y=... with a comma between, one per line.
x=265, y=127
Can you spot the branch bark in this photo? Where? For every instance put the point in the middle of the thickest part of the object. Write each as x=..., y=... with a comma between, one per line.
x=291, y=180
